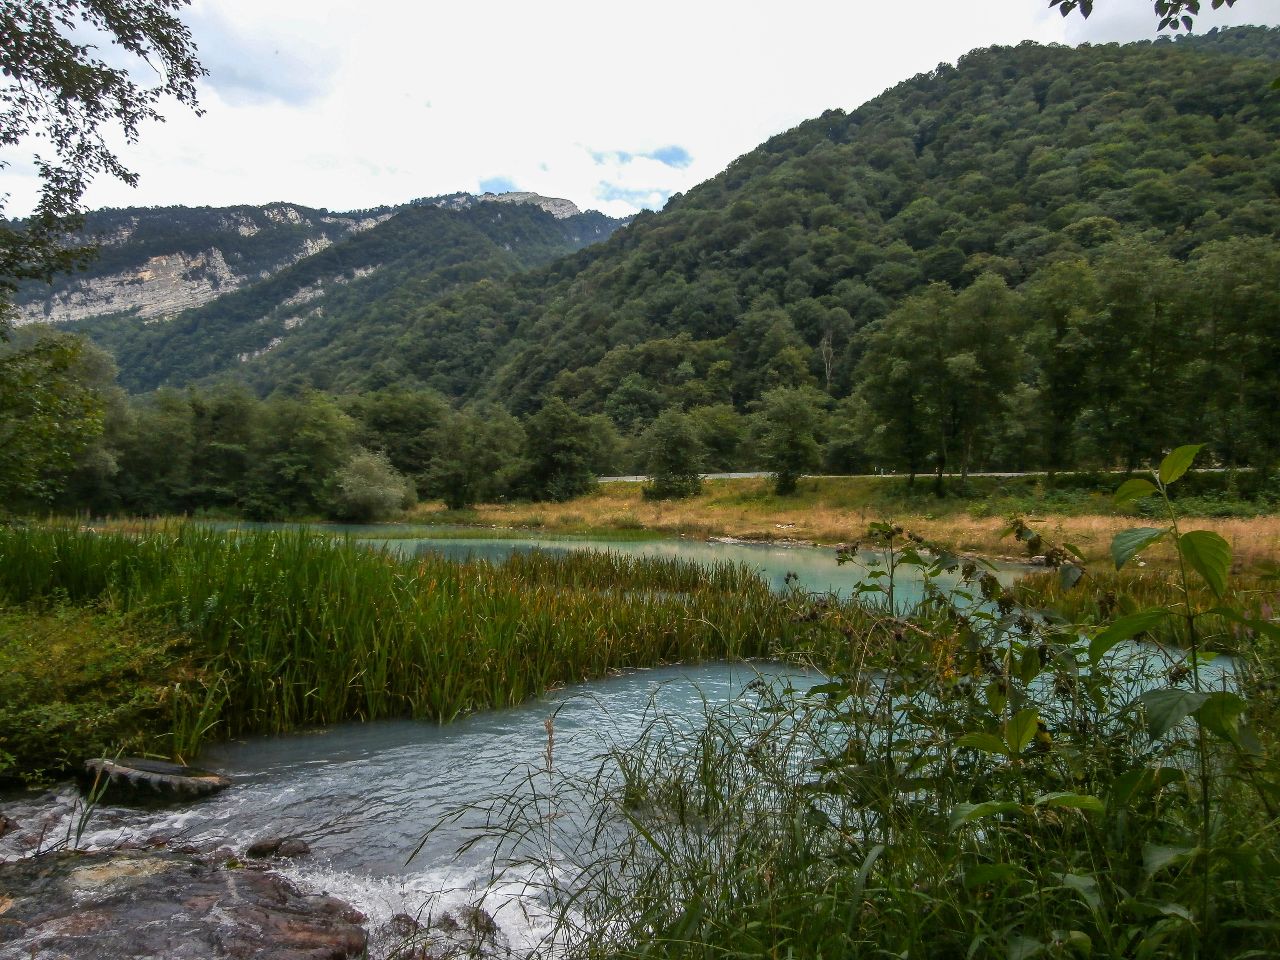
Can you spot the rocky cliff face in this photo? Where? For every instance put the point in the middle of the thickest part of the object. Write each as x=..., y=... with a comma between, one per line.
x=156, y=263
x=558, y=208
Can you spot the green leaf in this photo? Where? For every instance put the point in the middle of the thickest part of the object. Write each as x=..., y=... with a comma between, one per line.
x=1210, y=555
x=1167, y=708
x=963, y=813
x=1075, y=801
x=1124, y=628
x=1069, y=575
x=1021, y=730
x=1127, y=543
x=1156, y=858
x=1220, y=714
x=1086, y=887
x=1134, y=489
x=991, y=873
x=1024, y=948
x=987, y=742
x=1141, y=783
x=1074, y=551
x=1178, y=462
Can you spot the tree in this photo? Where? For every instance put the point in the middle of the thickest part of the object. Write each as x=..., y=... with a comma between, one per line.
x=672, y=456
x=368, y=488
x=559, y=451
x=47, y=415
x=476, y=457
x=57, y=90
x=787, y=424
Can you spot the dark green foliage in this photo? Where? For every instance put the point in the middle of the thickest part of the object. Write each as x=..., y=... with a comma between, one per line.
x=673, y=457
x=1006, y=164
x=476, y=457
x=57, y=91
x=49, y=413
x=76, y=683
x=560, y=453
x=787, y=427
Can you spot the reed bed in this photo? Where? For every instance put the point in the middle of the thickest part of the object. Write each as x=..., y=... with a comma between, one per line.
x=292, y=628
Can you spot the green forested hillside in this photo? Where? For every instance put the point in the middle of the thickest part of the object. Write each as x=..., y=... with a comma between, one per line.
x=318, y=316
x=1151, y=170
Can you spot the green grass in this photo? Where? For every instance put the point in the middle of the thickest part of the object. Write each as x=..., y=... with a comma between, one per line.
x=965, y=787
x=292, y=628
x=77, y=682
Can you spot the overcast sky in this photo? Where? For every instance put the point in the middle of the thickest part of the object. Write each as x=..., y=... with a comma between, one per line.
x=613, y=105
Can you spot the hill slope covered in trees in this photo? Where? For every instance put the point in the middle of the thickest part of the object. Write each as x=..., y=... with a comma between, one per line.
x=1137, y=179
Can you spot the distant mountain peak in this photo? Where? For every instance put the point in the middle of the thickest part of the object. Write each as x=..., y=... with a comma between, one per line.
x=557, y=207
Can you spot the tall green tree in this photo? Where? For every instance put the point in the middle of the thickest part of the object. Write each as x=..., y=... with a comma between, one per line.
x=48, y=414
x=558, y=453
x=787, y=426
x=673, y=457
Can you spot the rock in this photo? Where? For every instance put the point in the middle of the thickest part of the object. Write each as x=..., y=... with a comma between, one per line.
x=293, y=847
x=143, y=778
x=106, y=906
x=277, y=847
x=263, y=848
x=403, y=925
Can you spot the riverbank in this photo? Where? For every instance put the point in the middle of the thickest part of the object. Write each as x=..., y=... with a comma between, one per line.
x=837, y=510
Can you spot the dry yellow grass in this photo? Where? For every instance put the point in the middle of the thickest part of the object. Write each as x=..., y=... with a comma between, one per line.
x=836, y=513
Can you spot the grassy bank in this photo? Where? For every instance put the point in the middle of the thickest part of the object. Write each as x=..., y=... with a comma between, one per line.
x=837, y=509
x=974, y=784
x=290, y=628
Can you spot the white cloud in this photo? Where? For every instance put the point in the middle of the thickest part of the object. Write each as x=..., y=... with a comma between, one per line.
x=343, y=104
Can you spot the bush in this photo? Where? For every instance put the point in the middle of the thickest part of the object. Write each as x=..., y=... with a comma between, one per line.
x=368, y=488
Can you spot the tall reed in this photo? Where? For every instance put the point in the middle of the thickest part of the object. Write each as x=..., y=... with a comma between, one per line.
x=300, y=629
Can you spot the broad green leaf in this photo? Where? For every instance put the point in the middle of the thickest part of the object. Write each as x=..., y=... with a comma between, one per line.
x=987, y=742
x=1210, y=555
x=1220, y=714
x=1076, y=801
x=991, y=873
x=1030, y=667
x=963, y=813
x=1074, y=551
x=1024, y=948
x=1178, y=462
x=1127, y=543
x=1021, y=730
x=1140, y=784
x=1123, y=629
x=1069, y=575
x=1156, y=858
x=1167, y=708
x=1086, y=887
x=1134, y=488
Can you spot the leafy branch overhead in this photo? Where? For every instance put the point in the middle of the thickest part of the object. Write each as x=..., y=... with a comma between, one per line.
x=59, y=89
x=1172, y=14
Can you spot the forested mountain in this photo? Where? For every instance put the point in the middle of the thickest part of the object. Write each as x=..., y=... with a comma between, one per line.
x=323, y=312
x=1151, y=170
x=1043, y=257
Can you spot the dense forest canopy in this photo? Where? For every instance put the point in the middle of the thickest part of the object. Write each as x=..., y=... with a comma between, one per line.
x=1041, y=257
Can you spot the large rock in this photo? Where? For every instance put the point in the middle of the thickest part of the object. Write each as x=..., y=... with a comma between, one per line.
x=111, y=906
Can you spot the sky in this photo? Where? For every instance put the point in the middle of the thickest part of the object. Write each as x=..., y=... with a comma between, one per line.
x=612, y=104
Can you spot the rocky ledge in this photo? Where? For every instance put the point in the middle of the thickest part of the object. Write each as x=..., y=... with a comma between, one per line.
x=164, y=903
